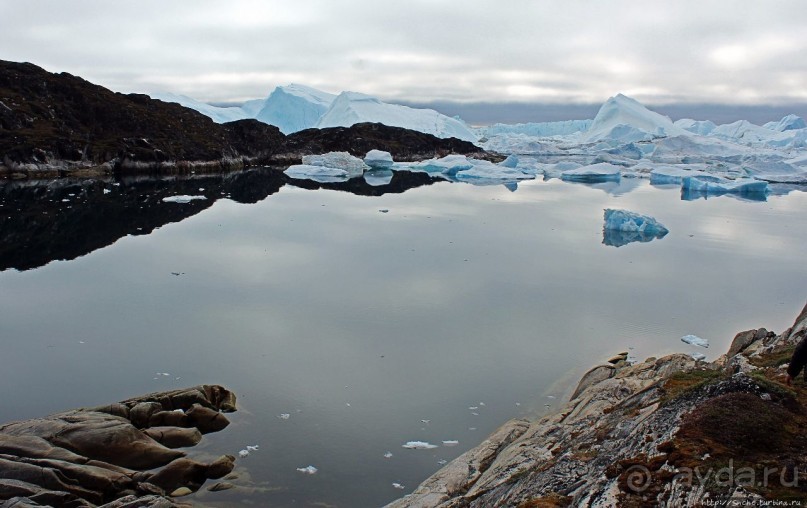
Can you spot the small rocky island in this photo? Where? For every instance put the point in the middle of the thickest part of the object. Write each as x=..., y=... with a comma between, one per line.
x=117, y=456
x=57, y=125
x=672, y=431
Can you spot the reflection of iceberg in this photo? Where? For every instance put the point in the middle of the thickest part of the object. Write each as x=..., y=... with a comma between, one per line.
x=378, y=177
x=622, y=227
x=602, y=172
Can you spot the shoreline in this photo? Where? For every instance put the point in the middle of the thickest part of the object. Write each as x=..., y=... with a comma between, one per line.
x=621, y=419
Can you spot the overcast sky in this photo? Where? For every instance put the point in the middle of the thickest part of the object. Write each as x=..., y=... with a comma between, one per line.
x=722, y=51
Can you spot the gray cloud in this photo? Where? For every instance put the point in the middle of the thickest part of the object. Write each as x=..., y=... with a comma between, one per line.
x=521, y=50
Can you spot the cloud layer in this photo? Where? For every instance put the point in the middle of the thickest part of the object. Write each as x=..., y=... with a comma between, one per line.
x=423, y=50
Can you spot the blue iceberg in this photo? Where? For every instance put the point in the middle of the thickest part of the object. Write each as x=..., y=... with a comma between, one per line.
x=622, y=227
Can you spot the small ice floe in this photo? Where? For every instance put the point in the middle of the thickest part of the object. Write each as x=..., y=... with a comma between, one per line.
x=308, y=470
x=694, y=340
x=387, y=455
x=252, y=448
x=442, y=462
x=550, y=396
x=284, y=416
x=347, y=404
x=473, y=408
x=398, y=486
x=518, y=403
x=481, y=403
x=471, y=428
x=475, y=414
x=451, y=442
x=107, y=191
x=81, y=342
x=418, y=445
x=243, y=453
x=425, y=421
x=698, y=356
x=181, y=199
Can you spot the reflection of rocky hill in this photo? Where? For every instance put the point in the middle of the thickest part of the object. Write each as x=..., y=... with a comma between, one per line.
x=64, y=219
x=59, y=124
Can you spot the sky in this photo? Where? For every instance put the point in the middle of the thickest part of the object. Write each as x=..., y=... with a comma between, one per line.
x=420, y=51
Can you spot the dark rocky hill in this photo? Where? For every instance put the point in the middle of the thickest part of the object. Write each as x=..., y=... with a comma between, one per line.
x=59, y=124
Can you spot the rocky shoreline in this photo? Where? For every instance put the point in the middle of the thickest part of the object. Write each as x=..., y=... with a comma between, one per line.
x=123, y=455
x=671, y=431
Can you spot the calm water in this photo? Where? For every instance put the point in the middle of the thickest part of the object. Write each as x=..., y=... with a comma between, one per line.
x=360, y=324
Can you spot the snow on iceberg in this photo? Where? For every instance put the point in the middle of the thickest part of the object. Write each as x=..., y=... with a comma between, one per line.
x=700, y=127
x=294, y=107
x=694, y=340
x=182, y=199
x=622, y=227
x=593, y=173
x=351, y=108
x=378, y=159
x=418, y=445
x=624, y=119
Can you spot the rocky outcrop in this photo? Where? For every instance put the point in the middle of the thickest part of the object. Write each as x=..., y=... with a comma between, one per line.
x=640, y=434
x=55, y=125
x=115, y=456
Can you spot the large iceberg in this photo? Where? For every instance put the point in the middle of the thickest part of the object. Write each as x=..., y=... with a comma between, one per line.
x=621, y=227
x=788, y=123
x=694, y=185
x=350, y=108
x=328, y=167
x=624, y=119
x=700, y=127
x=294, y=107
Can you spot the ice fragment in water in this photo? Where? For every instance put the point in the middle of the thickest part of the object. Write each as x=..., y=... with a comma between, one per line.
x=182, y=199
x=418, y=445
x=307, y=470
x=695, y=340
x=388, y=455
x=398, y=486
x=451, y=442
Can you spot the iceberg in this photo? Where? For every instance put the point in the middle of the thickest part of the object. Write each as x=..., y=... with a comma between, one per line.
x=378, y=159
x=700, y=127
x=449, y=165
x=537, y=129
x=494, y=173
x=182, y=199
x=350, y=108
x=622, y=227
x=308, y=470
x=788, y=123
x=418, y=445
x=353, y=166
x=294, y=107
x=593, y=173
x=320, y=174
x=694, y=185
x=625, y=120
x=694, y=340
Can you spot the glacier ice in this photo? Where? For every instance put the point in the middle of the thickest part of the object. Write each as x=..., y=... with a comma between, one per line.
x=352, y=107
x=788, y=123
x=219, y=115
x=600, y=172
x=701, y=127
x=624, y=119
x=622, y=227
x=537, y=129
x=449, y=165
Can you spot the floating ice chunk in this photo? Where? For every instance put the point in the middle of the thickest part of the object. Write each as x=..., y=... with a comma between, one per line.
x=252, y=448
x=388, y=455
x=601, y=172
x=743, y=186
x=624, y=220
x=485, y=171
x=308, y=470
x=442, y=462
x=243, y=453
x=398, y=486
x=107, y=191
x=473, y=408
x=425, y=421
x=353, y=166
x=622, y=227
x=694, y=340
x=698, y=356
x=378, y=159
x=317, y=173
x=284, y=416
x=418, y=445
x=182, y=199
x=449, y=165
x=481, y=403
x=451, y=442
